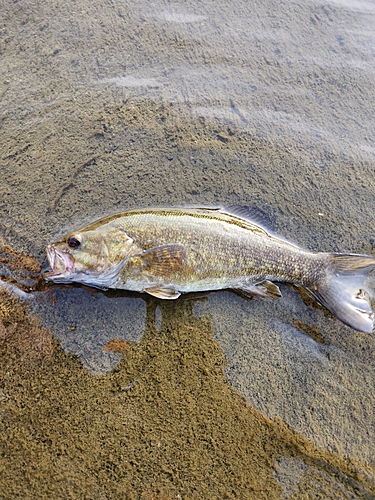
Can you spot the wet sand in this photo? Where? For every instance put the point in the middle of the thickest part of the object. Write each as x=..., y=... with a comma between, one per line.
x=164, y=424
x=107, y=106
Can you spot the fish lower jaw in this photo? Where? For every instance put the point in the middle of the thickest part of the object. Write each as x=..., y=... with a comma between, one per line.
x=57, y=278
x=62, y=263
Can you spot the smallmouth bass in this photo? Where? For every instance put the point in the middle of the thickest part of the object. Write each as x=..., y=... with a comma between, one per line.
x=168, y=251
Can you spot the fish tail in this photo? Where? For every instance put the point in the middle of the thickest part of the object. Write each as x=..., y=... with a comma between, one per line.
x=345, y=290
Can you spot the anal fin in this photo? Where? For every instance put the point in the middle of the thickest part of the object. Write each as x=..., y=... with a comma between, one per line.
x=264, y=290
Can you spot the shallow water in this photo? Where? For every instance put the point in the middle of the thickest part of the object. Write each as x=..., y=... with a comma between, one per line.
x=109, y=105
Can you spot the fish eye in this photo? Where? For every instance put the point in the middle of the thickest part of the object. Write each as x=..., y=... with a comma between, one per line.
x=73, y=242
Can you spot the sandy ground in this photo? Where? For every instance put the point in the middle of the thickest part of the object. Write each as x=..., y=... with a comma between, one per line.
x=164, y=424
x=109, y=105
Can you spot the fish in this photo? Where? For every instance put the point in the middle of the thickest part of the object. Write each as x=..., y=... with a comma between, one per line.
x=166, y=252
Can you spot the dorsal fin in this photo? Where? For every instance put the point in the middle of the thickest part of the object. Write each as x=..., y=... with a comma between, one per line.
x=255, y=220
x=241, y=216
x=253, y=215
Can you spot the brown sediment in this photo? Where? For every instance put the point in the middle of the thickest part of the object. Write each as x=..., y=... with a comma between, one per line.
x=22, y=339
x=117, y=345
x=311, y=331
x=19, y=260
x=21, y=266
x=164, y=424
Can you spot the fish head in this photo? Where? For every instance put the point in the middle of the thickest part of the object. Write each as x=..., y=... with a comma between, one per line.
x=93, y=257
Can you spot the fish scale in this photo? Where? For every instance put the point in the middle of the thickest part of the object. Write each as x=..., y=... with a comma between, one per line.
x=166, y=252
x=222, y=254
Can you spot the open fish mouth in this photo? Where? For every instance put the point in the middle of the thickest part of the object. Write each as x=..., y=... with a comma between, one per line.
x=62, y=263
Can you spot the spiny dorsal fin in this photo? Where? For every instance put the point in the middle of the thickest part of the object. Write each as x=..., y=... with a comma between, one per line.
x=245, y=217
x=252, y=214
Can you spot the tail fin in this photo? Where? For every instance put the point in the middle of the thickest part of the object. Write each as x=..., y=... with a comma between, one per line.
x=345, y=291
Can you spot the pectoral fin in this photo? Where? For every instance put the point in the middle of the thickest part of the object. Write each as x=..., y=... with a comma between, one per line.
x=264, y=290
x=163, y=260
x=163, y=292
